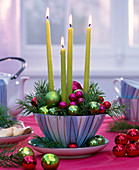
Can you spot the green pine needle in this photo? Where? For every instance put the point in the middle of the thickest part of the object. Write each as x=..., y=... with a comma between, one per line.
x=8, y=156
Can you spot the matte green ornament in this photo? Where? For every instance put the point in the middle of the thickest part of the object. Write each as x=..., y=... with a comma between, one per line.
x=101, y=139
x=25, y=151
x=43, y=110
x=94, y=107
x=52, y=110
x=52, y=98
x=92, y=142
x=73, y=110
x=50, y=161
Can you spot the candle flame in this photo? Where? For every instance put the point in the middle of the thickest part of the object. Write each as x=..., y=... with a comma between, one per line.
x=47, y=12
x=70, y=20
x=90, y=20
x=62, y=41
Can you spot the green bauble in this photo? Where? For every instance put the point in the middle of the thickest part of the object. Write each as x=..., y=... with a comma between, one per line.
x=52, y=110
x=94, y=107
x=52, y=98
x=49, y=161
x=73, y=110
x=92, y=142
x=101, y=139
x=43, y=110
x=25, y=151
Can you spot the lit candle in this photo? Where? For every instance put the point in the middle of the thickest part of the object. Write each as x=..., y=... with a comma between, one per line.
x=69, y=59
x=49, y=53
x=63, y=72
x=87, y=56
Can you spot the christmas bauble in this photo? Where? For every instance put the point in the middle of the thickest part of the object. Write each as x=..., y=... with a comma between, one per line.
x=76, y=85
x=132, y=149
x=25, y=151
x=102, y=109
x=50, y=161
x=121, y=139
x=29, y=162
x=52, y=110
x=52, y=98
x=34, y=102
x=43, y=110
x=119, y=150
x=100, y=139
x=107, y=104
x=94, y=107
x=62, y=105
x=72, y=103
x=72, y=145
x=78, y=93
x=72, y=97
x=73, y=110
x=80, y=100
x=92, y=142
x=101, y=99
x=133, y=135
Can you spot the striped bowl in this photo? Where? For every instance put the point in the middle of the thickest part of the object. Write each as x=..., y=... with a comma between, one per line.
x=69, y=129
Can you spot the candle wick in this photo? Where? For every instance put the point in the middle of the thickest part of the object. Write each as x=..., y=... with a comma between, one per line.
x=89, y=25
x=70, y=25
x=47, y=17
x=62, y=46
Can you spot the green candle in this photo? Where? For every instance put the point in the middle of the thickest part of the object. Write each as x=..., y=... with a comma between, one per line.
x=87, y=57
x=63, y=72
x=69, y=59
x=49, y=53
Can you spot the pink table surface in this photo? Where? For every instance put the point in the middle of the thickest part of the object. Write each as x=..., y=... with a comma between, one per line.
x=99, y=161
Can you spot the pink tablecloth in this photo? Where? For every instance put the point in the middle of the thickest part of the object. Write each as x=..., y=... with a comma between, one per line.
x=99, y=161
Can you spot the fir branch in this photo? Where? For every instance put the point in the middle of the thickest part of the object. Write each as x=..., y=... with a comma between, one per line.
x=45, y=142
x=8, y=156
x=5, y=119
x=122, y=125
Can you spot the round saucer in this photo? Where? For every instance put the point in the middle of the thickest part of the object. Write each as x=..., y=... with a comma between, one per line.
x=70, y=153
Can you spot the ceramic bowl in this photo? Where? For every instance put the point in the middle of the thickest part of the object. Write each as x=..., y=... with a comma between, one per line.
x=69, y=129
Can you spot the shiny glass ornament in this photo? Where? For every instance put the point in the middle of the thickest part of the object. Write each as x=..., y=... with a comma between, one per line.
x=92, y=142
x=121, y=139
x=107, y=104
x=72, y=103
x=62, y=105
x=94, y=107
x=76, y=85
x=133, y=135
x=119, y=150
x=52, y=98
x=132, y=149
x=72, y=97
x=25, y=151
x=29, y=162
x=73, y=110
x=102, y=109
x=50, y=161
x=52, y=110
x=43, y=110
x=72, y=145
x=100, y=139
x=78, y=93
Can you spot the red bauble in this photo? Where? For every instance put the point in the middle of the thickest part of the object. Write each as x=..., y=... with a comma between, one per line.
x=34, y=102
x=119, y=150
x=72, y=97
x=79, y=94
x=76, y=85
x=29, y=162
x=121, y=139
x=133, y=135
x=101, y=99
x=62, y=105
x=72, y=103
x=80, y=100
x=102, y=109
x=72, y=145
x=132, y=149
x=107, y=104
